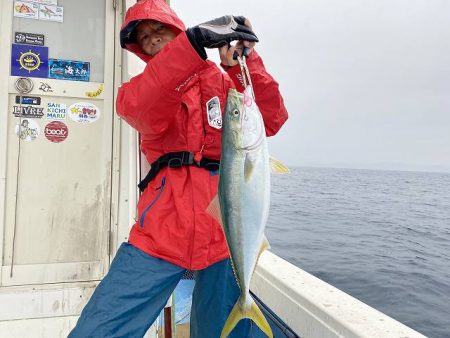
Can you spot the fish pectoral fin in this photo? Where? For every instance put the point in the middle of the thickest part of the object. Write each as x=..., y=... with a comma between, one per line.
x=277, y=167
x=264, y=246
x=254, y=313
x=249, y=166
x=213, y=210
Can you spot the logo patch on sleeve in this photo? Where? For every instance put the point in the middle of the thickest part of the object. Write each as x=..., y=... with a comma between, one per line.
x=214, y=113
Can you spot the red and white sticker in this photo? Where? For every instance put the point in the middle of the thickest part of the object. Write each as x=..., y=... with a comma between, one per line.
x=84, y=112
x=56, y=131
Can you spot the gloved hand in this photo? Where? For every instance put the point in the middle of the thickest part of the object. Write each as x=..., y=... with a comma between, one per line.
x=219, y=32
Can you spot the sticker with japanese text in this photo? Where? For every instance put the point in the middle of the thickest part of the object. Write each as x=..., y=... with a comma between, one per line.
x=28, y=112
x=29, y=61
x=84, y=112
x=28, y=130
x=51, y=13
x=27, y=10
x=29, y=38
x=56, y=111
x=56, y=131
x=68, y=70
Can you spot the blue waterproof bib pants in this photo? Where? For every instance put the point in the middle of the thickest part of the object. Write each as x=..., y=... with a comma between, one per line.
x=137, y=287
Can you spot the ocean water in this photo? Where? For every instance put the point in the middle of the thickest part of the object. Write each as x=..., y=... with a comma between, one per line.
x=380, y=236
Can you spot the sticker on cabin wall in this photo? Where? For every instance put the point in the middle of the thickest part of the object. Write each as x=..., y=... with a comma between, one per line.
x=56, y=111
x=28, y=130
x=84, y=112
x=27, y=10
x=56, y=131
x=28, y=112
x=47, y=2
x=51, y=13
x=214, y=113
x=29, y=38
x=68, y=70
x=33, y=100
x=97, y=93
x=45, y=87
x=29, y=61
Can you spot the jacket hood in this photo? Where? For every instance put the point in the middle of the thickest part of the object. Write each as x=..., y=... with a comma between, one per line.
x=157, y=10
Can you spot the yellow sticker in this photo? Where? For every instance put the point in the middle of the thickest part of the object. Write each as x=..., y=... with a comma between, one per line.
x=98, y=92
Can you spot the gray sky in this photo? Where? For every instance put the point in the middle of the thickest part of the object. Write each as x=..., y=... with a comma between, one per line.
x=366, y=83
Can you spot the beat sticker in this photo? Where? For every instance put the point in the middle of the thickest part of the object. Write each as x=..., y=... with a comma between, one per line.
x=84, y=112
x=27, y=130
x=56, y=131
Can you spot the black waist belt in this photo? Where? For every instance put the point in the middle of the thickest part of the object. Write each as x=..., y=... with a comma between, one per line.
x=176, y=160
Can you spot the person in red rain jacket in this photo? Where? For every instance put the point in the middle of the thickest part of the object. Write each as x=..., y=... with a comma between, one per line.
x=176, y=105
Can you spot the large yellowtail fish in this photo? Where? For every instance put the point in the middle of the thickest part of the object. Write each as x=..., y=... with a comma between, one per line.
x=242, y=204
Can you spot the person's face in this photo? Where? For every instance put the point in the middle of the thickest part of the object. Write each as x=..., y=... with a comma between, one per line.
x=152, y=36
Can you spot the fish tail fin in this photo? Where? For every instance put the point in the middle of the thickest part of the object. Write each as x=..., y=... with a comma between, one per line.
x=253, y=313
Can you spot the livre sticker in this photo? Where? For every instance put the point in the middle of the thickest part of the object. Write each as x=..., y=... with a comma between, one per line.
x=28, y=111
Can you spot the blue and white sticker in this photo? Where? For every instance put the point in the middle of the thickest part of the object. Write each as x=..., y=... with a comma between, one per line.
x=84, y=112
x=33, y=100
x=28, y=130
x=29, y=61
x=214, y=112
x=56, y=111
x=69, y=70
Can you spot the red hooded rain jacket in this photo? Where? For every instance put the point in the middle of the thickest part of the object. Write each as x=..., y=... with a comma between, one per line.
x=167, y=104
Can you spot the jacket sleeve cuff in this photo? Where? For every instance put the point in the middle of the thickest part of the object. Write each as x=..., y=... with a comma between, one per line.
x=235, y=71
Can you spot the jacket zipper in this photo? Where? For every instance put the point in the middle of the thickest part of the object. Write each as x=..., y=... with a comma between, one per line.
x=147, y=209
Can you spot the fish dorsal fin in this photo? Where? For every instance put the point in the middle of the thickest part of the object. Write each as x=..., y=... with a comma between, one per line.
x=213, y=210
x=249, y=166
x=277, y=167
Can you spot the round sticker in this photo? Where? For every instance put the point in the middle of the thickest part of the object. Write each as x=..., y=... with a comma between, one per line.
x=56, y=131
x=28, y=130
x=84, y=112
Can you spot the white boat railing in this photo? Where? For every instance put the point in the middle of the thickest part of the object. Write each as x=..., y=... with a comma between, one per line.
x=314, y=309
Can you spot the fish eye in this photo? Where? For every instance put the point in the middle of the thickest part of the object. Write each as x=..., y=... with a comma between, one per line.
x=236, y=112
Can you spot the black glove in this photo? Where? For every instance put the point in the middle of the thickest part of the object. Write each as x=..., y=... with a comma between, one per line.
x=219, y=32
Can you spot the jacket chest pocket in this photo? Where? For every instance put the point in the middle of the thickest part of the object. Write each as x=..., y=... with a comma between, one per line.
x=155, y=199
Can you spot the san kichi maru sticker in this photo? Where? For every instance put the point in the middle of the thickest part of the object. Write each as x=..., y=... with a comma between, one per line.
x=84, y=112
x=56, y=111
x=29, y=61
x=28, y=130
